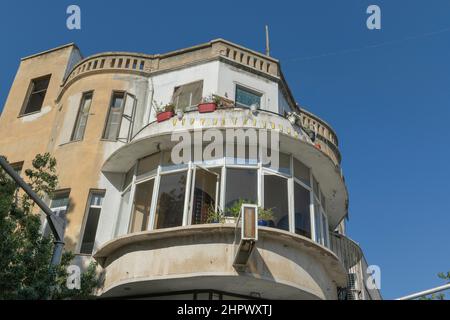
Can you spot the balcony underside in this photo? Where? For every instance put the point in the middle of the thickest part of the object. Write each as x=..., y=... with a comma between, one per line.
x=283, y=266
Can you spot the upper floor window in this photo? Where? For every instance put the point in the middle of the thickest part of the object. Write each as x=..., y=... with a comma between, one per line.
x=93, y=216
x=246, y=97
x=114, y=118
x=83, y=113
x=35, y=95
x=59, y=205
x=188, y=95
x=17, y=166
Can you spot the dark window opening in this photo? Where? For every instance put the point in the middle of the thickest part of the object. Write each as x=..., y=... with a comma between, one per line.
x=36, y=95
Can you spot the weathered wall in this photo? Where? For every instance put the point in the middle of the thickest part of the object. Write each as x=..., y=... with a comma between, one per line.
x=281, y=267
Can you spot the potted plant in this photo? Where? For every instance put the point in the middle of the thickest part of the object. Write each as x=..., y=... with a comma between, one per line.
x=209, y=104
x=265, y=217
x=215, y=216
x=235, y=209
x=165, y=112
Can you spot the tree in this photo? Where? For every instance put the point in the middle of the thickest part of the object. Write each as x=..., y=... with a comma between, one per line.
x=25, y=255
x=439, y=296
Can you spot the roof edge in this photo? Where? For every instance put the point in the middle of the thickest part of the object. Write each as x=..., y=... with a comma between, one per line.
x=71, y=44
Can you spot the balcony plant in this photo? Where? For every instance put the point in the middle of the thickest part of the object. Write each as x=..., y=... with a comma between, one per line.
x=215, y=216
x=265, y=217
x=209, y=104
x=164, y=112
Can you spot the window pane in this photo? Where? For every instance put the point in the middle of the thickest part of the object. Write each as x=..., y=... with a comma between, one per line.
x=241, y=184
x=114, y=117
x=317, y=223
x=142, y=203
x=302, y=214
x=41, y=83
x=284, y=163
x=301, y=172
x=123, y=217
x=276, y=199
x=90, y=229
x=148, y=164
x=169, y=210
x=324, y=230
x=58, y=205
x=240, y=154
x=128, y=178
x=167, y=163
x=83, y=113
x=188, y=95
x=316, y=188
x=35, y=102
x=247, y=97
x=322, y=200
x=36, y=95
x=204, y=195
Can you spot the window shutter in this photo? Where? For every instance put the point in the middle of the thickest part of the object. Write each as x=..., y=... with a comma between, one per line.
x=127, y=118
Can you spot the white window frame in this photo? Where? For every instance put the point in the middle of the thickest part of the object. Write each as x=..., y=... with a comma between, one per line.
x=86, y=216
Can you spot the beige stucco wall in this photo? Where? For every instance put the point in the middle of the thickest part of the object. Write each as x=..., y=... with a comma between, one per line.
x=283, y=265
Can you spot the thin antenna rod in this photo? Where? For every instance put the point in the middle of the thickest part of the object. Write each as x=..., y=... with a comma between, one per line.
x=267, y=42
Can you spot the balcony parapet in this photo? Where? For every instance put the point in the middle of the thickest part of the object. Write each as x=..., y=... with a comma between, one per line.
x=284, y=265
x=146, y=64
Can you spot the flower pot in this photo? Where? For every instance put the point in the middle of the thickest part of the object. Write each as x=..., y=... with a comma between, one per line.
x=230, y=219
x=163, y=116
x=263, y=223
x=207, y=107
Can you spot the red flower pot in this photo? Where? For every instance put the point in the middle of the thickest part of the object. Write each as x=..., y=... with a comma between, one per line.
x=207, y=107
x=163, y=116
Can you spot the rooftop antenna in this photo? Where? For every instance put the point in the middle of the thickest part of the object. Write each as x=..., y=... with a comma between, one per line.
x=267, y=42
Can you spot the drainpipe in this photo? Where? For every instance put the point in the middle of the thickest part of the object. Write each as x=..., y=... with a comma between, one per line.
x=55, y=226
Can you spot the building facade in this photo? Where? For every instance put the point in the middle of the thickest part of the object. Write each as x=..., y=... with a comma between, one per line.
x=147, y=218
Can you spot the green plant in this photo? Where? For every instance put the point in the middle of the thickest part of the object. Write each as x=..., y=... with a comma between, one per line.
x=212, y=98
x=25, y=268
x=215, y=216
x=265, y=214
x=159, y=107
x=169, y=107
x=235, y=209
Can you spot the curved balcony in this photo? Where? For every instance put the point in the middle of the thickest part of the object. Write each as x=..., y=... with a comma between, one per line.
x=283, y=265
x=156, y=137
x=146, y=64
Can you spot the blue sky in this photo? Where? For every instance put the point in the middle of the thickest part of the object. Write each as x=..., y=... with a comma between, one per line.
x=386, y=93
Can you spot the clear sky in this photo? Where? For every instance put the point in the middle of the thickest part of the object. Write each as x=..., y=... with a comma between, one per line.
x=386, y=93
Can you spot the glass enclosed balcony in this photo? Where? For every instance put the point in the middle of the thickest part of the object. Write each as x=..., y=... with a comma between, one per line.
x=159, y=194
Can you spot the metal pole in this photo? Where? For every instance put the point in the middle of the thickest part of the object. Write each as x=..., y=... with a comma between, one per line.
x=51, y=218
x=425, y=293
x=267, y=41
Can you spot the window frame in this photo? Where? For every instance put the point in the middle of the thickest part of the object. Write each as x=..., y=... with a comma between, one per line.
x=190, y=98
x=83, y=99
x=30, y=92
x=55, y=193
x=222, y=166
x=122, y=107
x=249, y=90
x=85, y=219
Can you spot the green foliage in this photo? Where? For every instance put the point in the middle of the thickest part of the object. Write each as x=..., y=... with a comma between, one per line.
x=265, y=214
x=438, y=296
x=235, y=210
x=25, y=269
x=215, y=216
